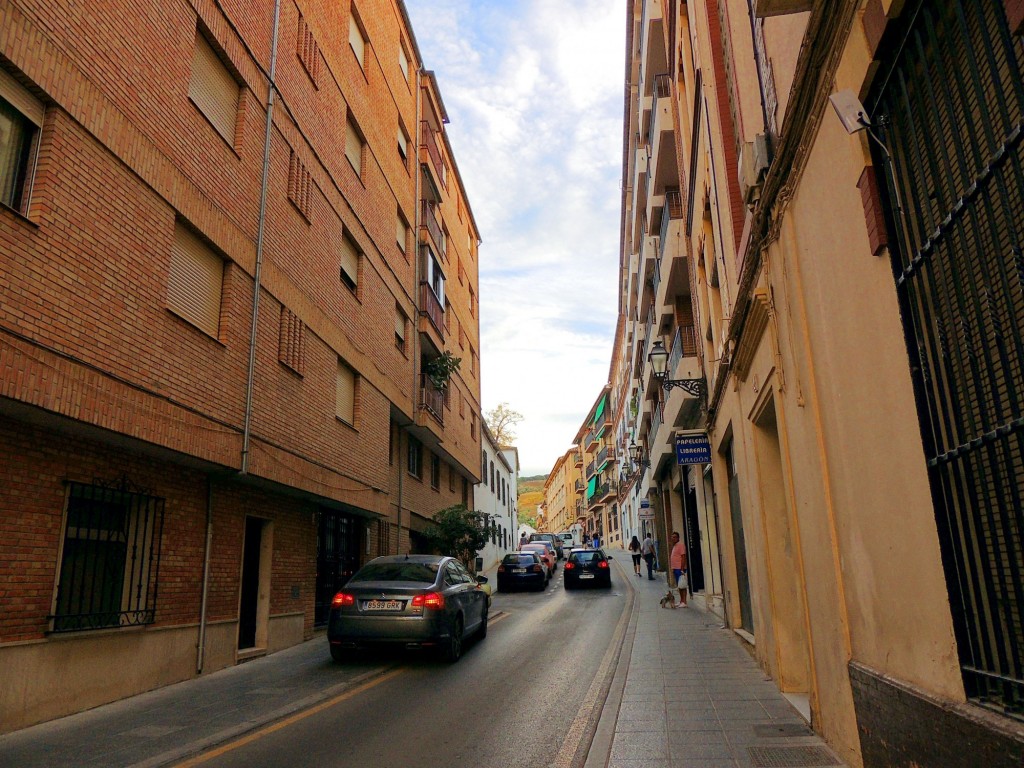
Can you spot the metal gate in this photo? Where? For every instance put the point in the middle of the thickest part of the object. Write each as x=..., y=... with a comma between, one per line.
x=948, y=100
x=337, y=558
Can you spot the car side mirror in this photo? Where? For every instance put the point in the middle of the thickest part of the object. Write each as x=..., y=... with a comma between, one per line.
x=481, y=579
x=610, y=557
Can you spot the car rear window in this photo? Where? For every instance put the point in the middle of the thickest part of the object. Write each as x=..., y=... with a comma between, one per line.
x=585, y=557
x=519, y=560
x=424, y=573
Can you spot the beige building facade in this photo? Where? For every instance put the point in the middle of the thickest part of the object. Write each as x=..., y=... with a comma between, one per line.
x=820, y=208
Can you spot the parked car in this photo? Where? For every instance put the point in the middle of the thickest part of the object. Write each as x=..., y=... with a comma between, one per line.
x=550, y=538
x=546, y=552
x=587, y=567
x=569, y=540
x=411, y=601
x=522, y=569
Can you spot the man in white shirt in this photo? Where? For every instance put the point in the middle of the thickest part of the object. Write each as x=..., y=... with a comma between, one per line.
x=647, y=550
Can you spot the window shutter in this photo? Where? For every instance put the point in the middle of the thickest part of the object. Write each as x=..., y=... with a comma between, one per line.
x=403, y=61
x=403, y=144
x=354, y=147
x=18, y=97
x=355, y=39
x=213, y=89
x=401, y=234
x=346, y=393
x=195, y=281
x=399, y=324
x=350, y=260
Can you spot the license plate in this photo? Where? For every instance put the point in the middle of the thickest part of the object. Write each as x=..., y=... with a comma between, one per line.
x=518, y=570
x=586, y=575
x=382, y=605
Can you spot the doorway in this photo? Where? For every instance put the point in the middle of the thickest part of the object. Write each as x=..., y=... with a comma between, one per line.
x=739, y=544
x=254, y=602
x=691, y=528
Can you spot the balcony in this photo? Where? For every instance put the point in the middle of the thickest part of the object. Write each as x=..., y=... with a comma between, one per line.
x=607, y=490
x=431, y=308
x=580, y=487
x=591, y=469
x=605, y=455
x=671, y=219
x=428, y=141
x=577, y=458
x=589, y=439
x=683, y=364
x=431, y=399
x=430, y=224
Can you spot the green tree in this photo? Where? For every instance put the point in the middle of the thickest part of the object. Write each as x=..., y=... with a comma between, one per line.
x=502, y=421
x=458, y=532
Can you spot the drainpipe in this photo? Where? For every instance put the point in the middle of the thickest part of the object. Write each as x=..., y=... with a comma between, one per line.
x=271, y=89
x=201, y=653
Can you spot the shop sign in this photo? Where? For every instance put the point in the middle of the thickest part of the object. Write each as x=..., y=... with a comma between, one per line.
x=693, y=449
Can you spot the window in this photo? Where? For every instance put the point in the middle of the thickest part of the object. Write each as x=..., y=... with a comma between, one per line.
x=346, y=394
x=472, y=302
x=402, y=233
x=21, y=117
x=354, y=146
x=400, y=323
x=472, y=360
x=110, y=560
x=451, y=478
x=195, y=281
x=403, y=61
x=435, y=471
x=447, y=316
x=435, y=277
x=444, y=172
x=391, y=444
x=465, y=492
x=472, y=425
x=414, y=462
x=462, y=272
x=349, y=262
x=291, y=342
x=308, y=51
x=444, y=242
x=492, y=476
x=403, y=146
x=357, y=40
x=213, y=89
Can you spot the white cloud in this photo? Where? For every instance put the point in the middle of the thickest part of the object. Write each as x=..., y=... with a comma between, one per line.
x=534, y=91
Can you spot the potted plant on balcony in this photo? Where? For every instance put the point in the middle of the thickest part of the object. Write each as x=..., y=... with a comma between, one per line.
x=440, y=369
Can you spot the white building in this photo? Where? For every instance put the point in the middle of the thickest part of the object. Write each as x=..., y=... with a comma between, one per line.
x=496, y=498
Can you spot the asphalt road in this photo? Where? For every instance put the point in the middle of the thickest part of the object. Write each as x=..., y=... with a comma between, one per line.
x=528, y=694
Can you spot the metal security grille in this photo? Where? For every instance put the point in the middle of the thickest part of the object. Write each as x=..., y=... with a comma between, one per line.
x=337, y=558
x=110, y=560
x=948, y=101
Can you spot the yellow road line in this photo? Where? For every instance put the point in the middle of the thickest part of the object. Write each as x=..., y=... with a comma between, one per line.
x=249, y=738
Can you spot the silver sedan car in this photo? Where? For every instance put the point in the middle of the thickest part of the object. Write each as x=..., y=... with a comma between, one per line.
x=409, y=601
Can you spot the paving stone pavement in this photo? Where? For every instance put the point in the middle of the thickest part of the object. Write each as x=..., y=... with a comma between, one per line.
x=689, y=694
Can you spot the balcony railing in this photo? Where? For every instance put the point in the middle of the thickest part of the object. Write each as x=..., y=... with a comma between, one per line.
x=684, y=344
x=430, y=222
x=604, y=455
x=673, y=210
x=429, y=140
x=591, y=468
x=577, y=458
x=431, y=307
x=580, y=486
x=431, y=399
x=589, y=438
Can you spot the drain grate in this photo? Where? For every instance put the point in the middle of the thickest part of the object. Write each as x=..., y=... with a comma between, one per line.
x=787, y=730
x=791, y=757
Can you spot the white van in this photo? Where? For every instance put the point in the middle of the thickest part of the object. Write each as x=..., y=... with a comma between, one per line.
x=571, y=538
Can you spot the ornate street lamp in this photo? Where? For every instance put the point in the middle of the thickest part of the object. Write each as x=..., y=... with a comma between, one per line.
x=658, y=358
x=636, y=453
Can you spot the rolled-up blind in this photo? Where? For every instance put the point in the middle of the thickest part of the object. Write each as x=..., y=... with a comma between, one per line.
x=346, y=393
x=213, y=89
x=195, y=281
x=349, y=261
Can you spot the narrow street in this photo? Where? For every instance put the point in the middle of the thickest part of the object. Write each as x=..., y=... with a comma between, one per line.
x=531, y=692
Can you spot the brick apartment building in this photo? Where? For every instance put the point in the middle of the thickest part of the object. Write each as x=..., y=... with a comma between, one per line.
x=230, y=248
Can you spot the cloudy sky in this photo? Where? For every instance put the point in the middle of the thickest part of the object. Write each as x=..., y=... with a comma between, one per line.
x=534, y=92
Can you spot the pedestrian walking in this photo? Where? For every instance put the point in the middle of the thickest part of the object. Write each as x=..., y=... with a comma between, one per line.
x=523, y=539
x=677, y=561
x=597, y=541
x=647, y=550
x=634, y=550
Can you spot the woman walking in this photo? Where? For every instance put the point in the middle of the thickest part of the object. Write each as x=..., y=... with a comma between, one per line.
x=634, y=550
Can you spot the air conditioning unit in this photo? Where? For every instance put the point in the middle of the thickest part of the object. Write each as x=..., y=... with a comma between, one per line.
x=753, y=166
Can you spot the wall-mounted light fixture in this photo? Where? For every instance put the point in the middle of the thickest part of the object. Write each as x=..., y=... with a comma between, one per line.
x=658, y=358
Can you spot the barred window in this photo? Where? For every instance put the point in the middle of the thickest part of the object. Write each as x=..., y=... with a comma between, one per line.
x=110, y=560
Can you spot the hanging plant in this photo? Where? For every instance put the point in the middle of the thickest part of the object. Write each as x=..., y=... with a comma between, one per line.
x=440, y=369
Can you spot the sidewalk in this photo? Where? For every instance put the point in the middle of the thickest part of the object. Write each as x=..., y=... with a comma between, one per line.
x=686, y=693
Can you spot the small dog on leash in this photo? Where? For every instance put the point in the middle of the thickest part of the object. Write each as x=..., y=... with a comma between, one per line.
x=669, y=600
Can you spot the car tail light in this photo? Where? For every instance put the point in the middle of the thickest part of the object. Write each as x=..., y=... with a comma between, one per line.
x=570, y=566
x=538, y=568
x=429, y=600
x=343, y=598
x=602, y=564
x=501, y=569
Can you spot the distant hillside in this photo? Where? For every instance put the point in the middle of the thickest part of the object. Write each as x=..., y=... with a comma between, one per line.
x=531, y=493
